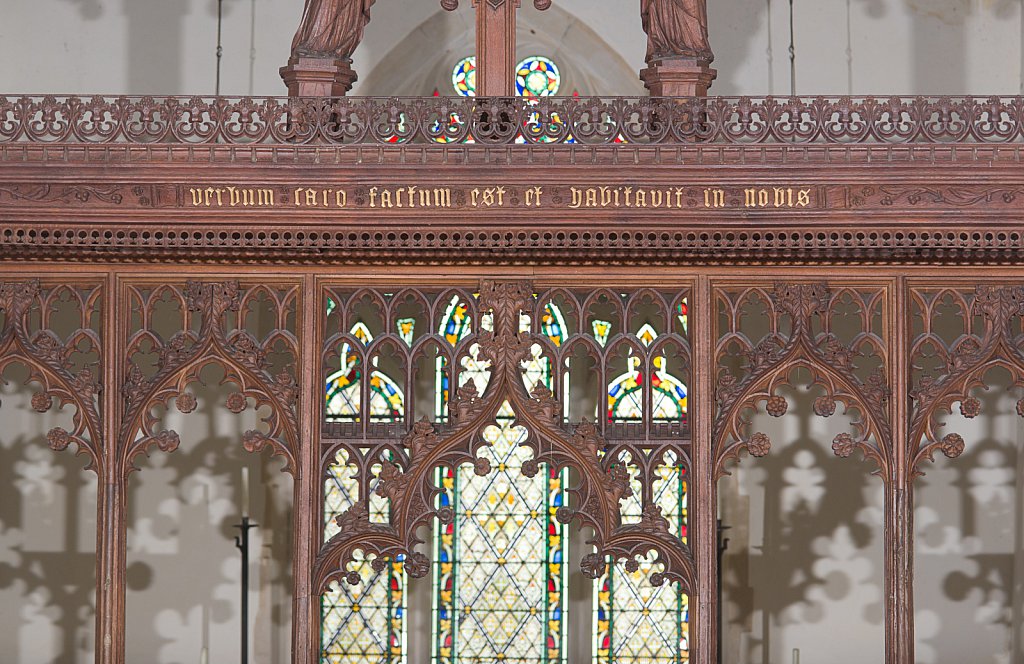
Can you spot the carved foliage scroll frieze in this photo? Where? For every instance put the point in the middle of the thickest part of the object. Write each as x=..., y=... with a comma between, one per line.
x=592, y=121
x=407, y=480
x=800, y=329
x=62, y=358
x=180, y=330
x=965, y=334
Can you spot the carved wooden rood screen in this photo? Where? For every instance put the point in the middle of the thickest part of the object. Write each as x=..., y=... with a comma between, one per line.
x=599, y=296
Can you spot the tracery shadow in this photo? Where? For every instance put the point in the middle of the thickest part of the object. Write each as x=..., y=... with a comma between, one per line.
x=968, y=552
x=804, y=565
x=184, y=567
x=47, y=535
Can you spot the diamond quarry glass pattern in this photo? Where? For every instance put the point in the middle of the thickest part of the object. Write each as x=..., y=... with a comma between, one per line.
x=500, y=584
x=499, y=575
x=637, y=622
x=365, y=622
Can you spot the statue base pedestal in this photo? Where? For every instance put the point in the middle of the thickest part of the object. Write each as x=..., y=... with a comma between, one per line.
x=318, y=77
x=678, y=77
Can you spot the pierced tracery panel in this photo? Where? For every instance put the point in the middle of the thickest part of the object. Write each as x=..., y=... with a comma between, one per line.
x=177, y=330
x=832, y=333
x=959, y=335
x=54, y=329
x=465, y=363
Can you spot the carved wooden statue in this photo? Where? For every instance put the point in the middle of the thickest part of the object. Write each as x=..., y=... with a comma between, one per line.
x=676, y=28
x=331, y=28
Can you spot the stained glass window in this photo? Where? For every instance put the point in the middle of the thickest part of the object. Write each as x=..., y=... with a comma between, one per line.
x=387, y=402
x=464, y=77
x=625, y=394
x=500, y=584
x=499, y=580
x=537, y=77
x=365, y=622
x=635, y=621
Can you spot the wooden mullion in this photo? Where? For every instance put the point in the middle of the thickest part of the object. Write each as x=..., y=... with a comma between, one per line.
x=307, y=509
x=111, y=498
x=899, y=498
x=703, y=536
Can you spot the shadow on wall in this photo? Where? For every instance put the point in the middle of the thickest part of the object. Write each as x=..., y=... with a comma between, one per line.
x=940, y=37
x=804, y=565
x=47, y=535
x=739, y=37
x=184, y=568
x=156, y=45
x=969, y=552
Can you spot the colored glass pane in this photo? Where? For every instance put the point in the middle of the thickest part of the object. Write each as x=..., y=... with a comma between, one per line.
x=464, y=77
x=344, y=394
x=602, y=329
x=537, y=77
x=406, y=329
x=637, y=622
x=625, y=392
x=500, y=581
x=365, y=622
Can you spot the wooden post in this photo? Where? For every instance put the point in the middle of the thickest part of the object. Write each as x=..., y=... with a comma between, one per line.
x=111, y=502
x=495, y=47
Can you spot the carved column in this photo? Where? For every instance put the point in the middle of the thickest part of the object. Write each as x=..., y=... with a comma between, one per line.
x=308, y=509
x=704, y=599
x=318, y=77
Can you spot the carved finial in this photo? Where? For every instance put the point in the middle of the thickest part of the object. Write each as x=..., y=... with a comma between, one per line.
x=212, y=298
x=998, y=304
x=506, y=299
x=421, y=439
x=547, y=404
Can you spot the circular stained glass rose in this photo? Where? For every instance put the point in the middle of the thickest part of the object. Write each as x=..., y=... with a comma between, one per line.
x=464, y=77
x=537, y=77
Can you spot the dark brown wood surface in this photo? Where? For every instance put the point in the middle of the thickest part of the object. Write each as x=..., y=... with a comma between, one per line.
x=898, y=216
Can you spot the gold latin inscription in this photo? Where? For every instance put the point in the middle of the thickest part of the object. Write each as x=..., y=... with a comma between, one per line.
x=417, y=197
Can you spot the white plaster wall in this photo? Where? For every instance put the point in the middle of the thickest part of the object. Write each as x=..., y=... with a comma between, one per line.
x=804, y=566
x=47, y=536
x=842, y=46
x=184, y=571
